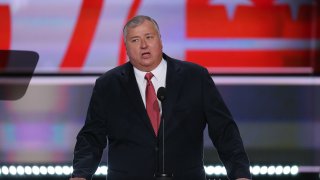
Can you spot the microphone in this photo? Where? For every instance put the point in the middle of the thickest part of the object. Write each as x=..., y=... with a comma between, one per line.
x=161, y=94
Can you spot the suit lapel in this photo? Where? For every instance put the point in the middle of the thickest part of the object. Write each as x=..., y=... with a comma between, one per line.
x=174, y=82
x=131, y=87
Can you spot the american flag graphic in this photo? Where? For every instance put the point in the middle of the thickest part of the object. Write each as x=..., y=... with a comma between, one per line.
x=254, y=35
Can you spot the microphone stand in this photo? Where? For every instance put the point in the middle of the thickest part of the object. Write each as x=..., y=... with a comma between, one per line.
x=161, y=94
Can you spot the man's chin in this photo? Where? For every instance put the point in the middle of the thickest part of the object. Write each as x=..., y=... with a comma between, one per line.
x=147, y=67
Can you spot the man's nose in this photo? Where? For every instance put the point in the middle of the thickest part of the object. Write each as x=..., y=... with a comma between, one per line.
x=143, y=44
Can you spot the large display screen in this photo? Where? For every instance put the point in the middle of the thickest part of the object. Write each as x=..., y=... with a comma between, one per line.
x=79, y=39
x=247, y=36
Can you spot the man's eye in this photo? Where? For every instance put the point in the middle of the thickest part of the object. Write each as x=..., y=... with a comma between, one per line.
x=149, y=37
x=134, y=40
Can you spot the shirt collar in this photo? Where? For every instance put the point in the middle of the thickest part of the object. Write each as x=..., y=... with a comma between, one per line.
x=157, y=72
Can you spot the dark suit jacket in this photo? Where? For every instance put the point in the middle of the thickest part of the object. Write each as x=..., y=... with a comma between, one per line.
x=117, y=115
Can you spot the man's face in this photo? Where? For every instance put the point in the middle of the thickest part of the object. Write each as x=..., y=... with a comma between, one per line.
x=144, y=46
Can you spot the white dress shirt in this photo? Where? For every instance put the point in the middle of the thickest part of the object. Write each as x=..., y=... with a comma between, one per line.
x=158, y=79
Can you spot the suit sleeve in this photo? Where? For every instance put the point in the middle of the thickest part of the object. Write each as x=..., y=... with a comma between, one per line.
x=91, y=139
x=224, y=132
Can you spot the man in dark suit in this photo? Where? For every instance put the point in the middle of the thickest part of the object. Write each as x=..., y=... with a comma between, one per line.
x=125, y=114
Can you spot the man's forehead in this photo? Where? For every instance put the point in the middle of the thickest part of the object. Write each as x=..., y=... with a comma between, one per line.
x=141, y=34
x=144, y=25
x=141, y=31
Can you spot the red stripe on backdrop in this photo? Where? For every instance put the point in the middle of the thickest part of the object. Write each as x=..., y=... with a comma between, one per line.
x=250, y=58
x=133, y=11
x=5, y=35
x=83, y=34
x=317, y=68
x=316, y=62
x=316, y=25
x=262, y=19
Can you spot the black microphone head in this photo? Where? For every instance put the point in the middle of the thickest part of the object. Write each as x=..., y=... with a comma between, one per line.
x=161, y=94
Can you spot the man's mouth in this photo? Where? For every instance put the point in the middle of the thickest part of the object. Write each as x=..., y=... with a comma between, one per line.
x=146, y=55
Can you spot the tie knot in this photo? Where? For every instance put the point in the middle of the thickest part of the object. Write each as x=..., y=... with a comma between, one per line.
x=148, y=76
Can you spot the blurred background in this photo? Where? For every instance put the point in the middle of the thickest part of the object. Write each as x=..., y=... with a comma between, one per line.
x=264, y=56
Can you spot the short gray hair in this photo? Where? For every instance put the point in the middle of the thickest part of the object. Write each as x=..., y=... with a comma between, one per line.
x=136, y=21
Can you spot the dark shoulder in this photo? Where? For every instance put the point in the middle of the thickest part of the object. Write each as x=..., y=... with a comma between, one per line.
x=114, y=74
x=187, y=66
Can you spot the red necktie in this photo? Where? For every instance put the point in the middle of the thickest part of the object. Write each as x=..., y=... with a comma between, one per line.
x=152, y=104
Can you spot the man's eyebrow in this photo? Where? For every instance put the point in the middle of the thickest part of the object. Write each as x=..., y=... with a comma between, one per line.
x=134, y=37
x=149, y=33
